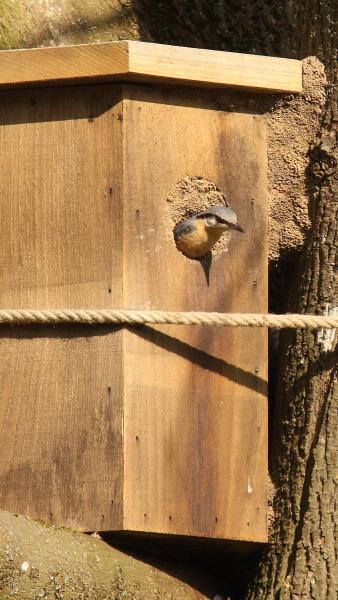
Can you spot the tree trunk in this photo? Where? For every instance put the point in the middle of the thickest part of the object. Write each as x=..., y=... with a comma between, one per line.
x=257, y=27
x=300, y=560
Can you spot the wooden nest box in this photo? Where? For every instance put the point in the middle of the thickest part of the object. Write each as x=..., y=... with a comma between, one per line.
x=152, y=429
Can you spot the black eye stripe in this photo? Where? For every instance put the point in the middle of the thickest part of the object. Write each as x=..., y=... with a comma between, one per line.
x=211, y=216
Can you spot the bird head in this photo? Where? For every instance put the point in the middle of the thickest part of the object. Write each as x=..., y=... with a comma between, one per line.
x=197, y=235
x=219, y=218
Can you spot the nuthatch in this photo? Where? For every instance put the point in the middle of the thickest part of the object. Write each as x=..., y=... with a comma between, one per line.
x=196, y=236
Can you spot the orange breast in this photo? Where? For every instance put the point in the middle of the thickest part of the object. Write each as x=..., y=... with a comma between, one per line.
x=198, y=242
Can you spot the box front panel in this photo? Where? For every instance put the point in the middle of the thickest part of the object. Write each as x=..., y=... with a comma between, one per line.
x=195, y=417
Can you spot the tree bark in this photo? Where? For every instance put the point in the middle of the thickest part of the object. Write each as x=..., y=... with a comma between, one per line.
x=300, y=560
x=257, y=27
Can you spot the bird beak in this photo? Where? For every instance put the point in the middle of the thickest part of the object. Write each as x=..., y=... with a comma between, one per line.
x=236, y=226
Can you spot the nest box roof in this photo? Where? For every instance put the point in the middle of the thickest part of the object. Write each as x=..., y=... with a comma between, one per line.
x=145, y=62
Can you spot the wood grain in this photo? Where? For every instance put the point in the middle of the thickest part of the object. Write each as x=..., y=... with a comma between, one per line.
x=61, y=389
x=61, y=183
x=72, y=64
x=61, y=426
x=149, y=429
x=140, y=61
x=195, y=414
x=193, y=66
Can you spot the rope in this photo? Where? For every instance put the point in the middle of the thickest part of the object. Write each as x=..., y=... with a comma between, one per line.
x=156, y=317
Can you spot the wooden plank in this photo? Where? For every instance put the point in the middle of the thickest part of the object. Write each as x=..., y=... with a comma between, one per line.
x=61, y=390
x=61, y=426
x=140, y=61
x=72, y=64
x=195, y=414
x=60, y=215
x=192, y=66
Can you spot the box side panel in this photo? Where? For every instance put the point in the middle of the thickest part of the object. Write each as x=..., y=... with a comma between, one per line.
x=60, y=416
x=60, y=191
x=195, y=420
x=61, y=389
